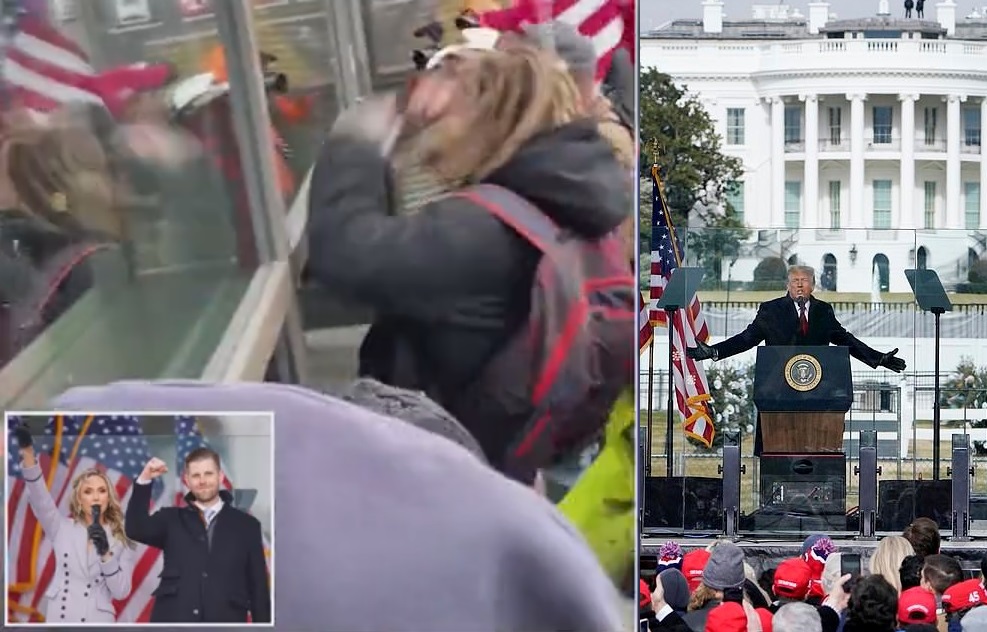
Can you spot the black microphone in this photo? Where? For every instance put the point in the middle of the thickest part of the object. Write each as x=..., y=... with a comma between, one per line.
x=801, y=301
x=95, y=510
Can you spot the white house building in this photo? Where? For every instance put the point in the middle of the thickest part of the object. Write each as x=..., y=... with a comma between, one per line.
x=860, y=138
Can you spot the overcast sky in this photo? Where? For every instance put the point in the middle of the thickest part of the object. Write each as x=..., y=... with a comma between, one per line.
x=654, y=13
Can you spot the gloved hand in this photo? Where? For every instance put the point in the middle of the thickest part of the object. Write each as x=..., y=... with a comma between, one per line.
x=890, y=361
x=97, y=535
x=23, y=436
x=702, y=351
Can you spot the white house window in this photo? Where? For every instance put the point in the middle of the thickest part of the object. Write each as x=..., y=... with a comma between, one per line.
x=930, y=204
x=835, y=126
x=793, y=124
x=735, y=198
x=971, y=126
x=971, y=203
x=735, y=126
x=883, y=120
x=835, y=189
x=931, y=114
x=132, y=11
x=793, y=203
x=882, y=204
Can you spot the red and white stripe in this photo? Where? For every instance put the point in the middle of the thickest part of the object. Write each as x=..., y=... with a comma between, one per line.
x=645, y=330
x=602, y=21
x=44, y=69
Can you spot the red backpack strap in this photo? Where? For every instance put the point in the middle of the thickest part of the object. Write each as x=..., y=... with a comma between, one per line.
x=515, y=211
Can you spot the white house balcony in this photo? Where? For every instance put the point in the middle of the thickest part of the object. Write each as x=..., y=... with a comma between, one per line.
x=874, y=55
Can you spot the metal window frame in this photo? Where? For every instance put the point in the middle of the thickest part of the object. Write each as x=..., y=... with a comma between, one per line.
x=266, y=326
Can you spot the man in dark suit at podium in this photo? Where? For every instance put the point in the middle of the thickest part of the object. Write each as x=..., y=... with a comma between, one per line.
x=798, y=318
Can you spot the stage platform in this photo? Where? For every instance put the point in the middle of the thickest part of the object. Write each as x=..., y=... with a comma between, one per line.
x=763, y=554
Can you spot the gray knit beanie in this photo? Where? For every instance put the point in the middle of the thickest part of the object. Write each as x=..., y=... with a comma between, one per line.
x=725, y=568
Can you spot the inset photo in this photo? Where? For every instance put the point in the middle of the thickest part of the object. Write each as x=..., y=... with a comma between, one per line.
x=139, y=519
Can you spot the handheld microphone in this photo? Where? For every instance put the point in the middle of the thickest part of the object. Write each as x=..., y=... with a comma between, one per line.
x=801, y=301
x=95, y=510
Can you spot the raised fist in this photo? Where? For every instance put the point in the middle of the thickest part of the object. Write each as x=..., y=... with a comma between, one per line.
x=153, y=469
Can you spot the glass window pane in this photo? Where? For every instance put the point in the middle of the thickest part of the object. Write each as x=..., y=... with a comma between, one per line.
x=134, y=246
x=882, y=124
x=971, y=204
x=835, y=204
x=793, y=204
x=735, y=197
x=882, y=204
x=930, y=204
x=735, y=126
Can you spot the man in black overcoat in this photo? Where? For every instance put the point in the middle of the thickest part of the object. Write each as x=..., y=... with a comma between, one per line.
x=214, y=566
x=798, y=318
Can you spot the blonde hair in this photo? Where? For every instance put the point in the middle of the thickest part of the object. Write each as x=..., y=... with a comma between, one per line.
x=702, y=596
x=887, y=559
x=60, y=173
x=504, y=98
x=114, y=512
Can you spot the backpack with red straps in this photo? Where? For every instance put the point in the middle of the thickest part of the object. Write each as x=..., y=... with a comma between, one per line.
x=548, y=392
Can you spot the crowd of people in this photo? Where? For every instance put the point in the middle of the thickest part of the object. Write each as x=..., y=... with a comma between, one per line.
x=908, y=585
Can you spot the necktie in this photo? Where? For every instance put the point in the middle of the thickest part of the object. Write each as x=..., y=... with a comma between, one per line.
x=803, y=322
x=208, y=516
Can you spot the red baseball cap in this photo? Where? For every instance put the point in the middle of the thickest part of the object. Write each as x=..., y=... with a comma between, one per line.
x=916, y=605
x=693, y=564
x=792, y=578
x=727, y=617
x=963, y=595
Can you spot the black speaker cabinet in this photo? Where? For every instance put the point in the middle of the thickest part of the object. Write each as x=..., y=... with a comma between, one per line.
x=807, y=484
x=901, y=502
x=683, y=503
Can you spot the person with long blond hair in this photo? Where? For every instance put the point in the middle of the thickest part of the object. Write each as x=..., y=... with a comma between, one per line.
x=94, y=557
x=451, y=284
x=887, y=558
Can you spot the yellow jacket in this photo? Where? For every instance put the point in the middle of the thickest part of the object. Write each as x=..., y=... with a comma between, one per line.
x=601, y=503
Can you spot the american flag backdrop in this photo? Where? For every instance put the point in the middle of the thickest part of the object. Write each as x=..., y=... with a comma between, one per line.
x=607, y=22
x=71, y=444
x=691, y=388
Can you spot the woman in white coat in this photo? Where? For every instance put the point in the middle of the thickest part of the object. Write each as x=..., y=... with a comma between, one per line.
x=94, y=560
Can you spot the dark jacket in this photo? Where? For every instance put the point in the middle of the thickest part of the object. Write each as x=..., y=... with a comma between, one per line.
x=777, y=323
x=671, y=623
x=203, y=581
x=450, y=283
x=696, y=619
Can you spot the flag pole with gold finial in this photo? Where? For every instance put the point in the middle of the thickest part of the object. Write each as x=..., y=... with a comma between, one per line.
x=648, y=436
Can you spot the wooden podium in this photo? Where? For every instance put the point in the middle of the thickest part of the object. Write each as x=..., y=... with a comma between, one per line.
x=802, y=395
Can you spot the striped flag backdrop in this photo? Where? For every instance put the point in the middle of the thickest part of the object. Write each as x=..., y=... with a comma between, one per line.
x=71, y=444
x=604, y=21
x=691, y=388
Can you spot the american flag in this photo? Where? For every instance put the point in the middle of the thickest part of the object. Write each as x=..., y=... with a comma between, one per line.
x=607, y=22
x=42, y=69
x=645, y=330
x=691, y=388
x=71, y=444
